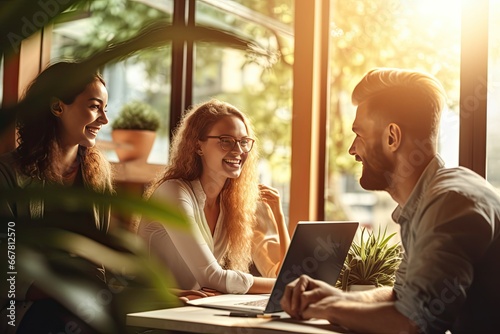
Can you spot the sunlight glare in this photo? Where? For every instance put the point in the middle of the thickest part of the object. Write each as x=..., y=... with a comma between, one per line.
x=447, y=11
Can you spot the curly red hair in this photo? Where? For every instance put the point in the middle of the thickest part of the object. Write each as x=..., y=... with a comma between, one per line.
x=239, y=196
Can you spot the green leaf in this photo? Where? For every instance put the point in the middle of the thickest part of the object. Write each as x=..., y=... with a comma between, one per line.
x=73, y=198
x=63, y=265
x=137, y=115
x=371, y=260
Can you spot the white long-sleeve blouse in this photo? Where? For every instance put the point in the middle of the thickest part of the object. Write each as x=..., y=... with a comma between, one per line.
x=192, y=256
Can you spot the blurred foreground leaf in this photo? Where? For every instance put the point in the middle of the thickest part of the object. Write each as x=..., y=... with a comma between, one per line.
x=64, y=255
x=63, y=265
x=73, y=199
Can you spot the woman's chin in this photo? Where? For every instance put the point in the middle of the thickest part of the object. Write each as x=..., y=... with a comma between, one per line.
x=88, y=143
x=234, y=175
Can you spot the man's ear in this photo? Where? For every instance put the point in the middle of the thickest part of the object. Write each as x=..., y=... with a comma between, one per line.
x=394, y=136
x=56, y=107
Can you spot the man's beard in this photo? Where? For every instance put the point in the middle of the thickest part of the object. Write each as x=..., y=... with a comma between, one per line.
x=377, y=170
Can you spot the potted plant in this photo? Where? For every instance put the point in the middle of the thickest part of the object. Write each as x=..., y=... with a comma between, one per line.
x=371, y=262
x=134, y=131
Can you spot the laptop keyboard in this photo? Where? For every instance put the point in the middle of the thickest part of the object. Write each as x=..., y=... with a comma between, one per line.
x=258, y=302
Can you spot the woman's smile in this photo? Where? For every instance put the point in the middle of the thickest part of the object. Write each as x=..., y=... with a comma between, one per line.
x=93, y=130
x=235, y=163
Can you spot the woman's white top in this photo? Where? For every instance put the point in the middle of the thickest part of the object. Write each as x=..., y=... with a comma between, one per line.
x=192, y=255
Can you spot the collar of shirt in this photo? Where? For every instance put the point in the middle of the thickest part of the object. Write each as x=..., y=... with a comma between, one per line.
x=402, y=214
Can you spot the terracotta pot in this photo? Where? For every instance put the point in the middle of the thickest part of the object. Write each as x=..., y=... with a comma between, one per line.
x=133, y=144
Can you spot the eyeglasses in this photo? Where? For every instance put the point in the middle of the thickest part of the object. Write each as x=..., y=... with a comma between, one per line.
x=227, y=143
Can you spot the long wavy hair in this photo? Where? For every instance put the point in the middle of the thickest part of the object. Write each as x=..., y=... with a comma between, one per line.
x=38, y=149
x=238, y=197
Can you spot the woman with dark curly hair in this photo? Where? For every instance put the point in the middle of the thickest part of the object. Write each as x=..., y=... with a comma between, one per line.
x=56, y=141
x=57, y=125
x=234, y=222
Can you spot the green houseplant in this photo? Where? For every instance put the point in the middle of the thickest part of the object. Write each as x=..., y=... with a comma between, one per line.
x=134, y=131
x=372, y=261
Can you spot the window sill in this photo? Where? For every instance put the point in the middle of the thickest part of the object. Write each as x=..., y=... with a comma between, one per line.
x=135, y=171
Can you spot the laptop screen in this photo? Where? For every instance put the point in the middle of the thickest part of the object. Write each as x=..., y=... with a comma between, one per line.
x=317, y=249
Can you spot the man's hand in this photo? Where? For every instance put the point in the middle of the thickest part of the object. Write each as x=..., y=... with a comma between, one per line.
x=303, y=292
x=370, y=311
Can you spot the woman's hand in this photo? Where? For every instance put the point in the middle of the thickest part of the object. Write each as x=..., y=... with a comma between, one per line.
x=271, y=196
x=187, y=295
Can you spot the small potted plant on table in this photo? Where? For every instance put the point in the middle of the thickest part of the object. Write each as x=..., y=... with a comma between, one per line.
x=371, y=262
x=134, y=131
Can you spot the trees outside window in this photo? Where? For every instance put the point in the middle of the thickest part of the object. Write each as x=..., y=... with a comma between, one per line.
x=422, y=35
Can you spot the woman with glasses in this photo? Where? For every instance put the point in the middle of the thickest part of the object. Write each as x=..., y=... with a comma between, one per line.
x=212, y=177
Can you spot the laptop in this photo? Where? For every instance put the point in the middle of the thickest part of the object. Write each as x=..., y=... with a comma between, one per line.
x=317, y=249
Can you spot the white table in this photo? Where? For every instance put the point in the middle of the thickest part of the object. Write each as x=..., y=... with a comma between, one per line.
x=192, y=319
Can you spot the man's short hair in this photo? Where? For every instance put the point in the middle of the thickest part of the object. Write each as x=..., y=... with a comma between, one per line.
x=412, y=99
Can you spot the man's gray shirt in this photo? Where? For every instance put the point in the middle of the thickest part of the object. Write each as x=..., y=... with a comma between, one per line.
x=450, y=227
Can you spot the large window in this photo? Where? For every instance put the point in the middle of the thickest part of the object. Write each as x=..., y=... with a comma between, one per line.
x=419, y=34
x=365, y=34
x=257, y=79
x=143, y=76
x=259, y=85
